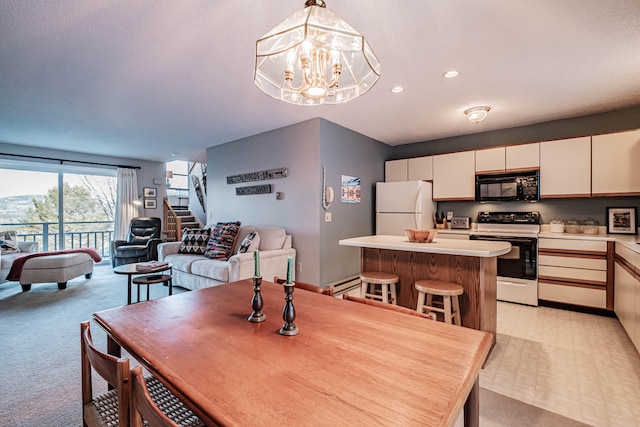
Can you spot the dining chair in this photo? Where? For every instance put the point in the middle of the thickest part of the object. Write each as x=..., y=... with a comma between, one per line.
x=306, y=286
x=103, y=409
x=386, y=306
x=142, y=405
x=106, y=409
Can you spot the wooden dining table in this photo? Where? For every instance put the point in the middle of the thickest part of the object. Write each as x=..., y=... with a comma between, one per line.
x=351, y=364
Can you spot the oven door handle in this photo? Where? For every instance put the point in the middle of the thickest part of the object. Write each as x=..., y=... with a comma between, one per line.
x=520, y=285
x=505, y=238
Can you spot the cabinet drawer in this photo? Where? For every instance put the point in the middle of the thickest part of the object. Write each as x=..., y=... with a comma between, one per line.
x=573, y=295
x=573, y=274
x=573, y=262
x=573, y=244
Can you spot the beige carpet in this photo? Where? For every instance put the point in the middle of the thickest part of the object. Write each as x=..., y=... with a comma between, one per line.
x=40, y=355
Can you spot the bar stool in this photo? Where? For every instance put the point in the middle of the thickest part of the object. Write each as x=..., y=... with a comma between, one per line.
x=379, y=286
x=447, y=290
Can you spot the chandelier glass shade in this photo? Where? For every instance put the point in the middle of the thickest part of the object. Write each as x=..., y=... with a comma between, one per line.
x=314, y=57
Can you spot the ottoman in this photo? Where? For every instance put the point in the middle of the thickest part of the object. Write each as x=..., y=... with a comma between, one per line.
x=56, y=268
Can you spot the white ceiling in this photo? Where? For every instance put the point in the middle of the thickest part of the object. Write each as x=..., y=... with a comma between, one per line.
x=145, y=78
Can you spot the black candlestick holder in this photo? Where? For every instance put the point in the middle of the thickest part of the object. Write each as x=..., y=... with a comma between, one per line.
x=289, y=313
x=256, y=302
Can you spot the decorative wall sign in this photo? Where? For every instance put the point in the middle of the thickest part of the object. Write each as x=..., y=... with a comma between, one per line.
x=254, y=189
x=257, y=176
x=350, y=189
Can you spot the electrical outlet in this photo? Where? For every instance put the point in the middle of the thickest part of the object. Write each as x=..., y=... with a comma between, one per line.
x=327, y=217
x=298, y=267
x=449, y=216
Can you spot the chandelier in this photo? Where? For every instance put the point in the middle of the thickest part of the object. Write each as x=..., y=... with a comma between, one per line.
x=314, y=57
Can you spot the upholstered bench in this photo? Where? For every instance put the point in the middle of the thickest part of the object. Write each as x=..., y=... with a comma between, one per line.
x=58, y=268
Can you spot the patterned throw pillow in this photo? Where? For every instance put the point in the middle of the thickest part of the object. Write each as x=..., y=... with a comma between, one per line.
x=194, y=241
x=222, y=238
x=250, y=243
x=8, y=242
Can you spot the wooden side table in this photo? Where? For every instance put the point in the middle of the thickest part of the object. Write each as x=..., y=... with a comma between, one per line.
x=152, y=279
x=132, y=270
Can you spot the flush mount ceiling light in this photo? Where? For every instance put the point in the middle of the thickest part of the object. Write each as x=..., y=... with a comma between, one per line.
x=314, y=57
x=451, y=74
x=397, y=89
x=477, y=114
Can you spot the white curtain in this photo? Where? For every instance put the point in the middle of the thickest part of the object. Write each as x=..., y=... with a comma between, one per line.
x=127, y=202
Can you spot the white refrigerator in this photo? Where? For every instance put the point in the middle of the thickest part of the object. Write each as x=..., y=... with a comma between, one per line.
x=402, y=205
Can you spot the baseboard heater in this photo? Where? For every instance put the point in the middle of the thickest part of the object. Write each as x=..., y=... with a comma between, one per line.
x=345, y=285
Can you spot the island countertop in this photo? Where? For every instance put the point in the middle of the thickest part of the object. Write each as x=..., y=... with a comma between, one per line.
x=475, y=248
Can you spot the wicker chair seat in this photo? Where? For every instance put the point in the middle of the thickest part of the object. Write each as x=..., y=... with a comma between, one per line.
x=104, y=408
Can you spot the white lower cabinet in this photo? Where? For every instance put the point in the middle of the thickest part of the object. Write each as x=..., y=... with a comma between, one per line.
x=573, y=271
x=627, y=292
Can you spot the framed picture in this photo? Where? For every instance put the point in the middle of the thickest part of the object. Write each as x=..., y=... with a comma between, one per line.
x=622, y=221
x=150, y=204
x=150, y=192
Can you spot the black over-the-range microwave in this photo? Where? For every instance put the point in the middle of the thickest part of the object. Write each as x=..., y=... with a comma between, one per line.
x=523, y=186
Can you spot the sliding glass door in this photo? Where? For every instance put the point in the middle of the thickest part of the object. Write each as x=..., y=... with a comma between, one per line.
x=59, y=206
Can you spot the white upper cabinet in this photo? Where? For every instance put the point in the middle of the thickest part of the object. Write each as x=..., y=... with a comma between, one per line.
x=523, y=156
x=565, y=168
x=616, y=164
x=421, y=169
x=396, y=170
x=490, y=160
x=454, y=176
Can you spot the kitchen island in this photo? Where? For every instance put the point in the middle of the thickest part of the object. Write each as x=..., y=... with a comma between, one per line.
x=470, y=263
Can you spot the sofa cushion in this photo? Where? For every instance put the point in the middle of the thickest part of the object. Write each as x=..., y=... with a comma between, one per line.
x=212, y=269
x=194, y=240
x=222, y=239
x=183, y=262
x=271, y=238
x=250, y=243
x=8, y=243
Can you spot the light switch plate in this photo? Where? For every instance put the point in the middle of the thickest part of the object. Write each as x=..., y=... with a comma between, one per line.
x=327, y=217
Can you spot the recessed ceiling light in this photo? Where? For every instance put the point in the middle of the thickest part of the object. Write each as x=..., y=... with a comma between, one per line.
x=397, y=89
x=451, y=74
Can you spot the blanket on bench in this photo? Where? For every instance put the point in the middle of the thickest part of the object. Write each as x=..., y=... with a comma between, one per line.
x=18, y=263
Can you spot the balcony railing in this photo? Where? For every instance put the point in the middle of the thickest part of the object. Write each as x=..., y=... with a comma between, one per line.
x=81, y=234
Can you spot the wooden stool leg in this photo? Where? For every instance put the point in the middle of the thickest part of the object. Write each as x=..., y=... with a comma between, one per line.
x=384, y=289
x=364, y=288
x=456, y=307
x=420, y=303
x=447, y=309
x=394, y=297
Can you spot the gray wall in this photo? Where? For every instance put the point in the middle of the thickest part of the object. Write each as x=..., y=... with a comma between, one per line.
x=146, y=174
x=615, y=121
x=345, y=152
x=295, y=147
x=302, y=148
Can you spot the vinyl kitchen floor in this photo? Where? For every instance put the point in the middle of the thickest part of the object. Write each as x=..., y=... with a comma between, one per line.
x=578, y=365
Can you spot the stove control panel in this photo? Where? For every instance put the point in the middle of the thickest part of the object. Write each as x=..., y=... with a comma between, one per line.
x=508, y=217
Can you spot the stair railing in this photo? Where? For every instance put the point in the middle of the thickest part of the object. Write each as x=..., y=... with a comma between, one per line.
x=172, y=223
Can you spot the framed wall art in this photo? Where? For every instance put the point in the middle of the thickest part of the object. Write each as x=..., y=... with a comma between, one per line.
x=150, y=204
x=150, y=192
x=622, y=220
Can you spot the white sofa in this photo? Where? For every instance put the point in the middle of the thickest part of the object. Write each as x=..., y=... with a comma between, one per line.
x=6, y=260
x=197, y=271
